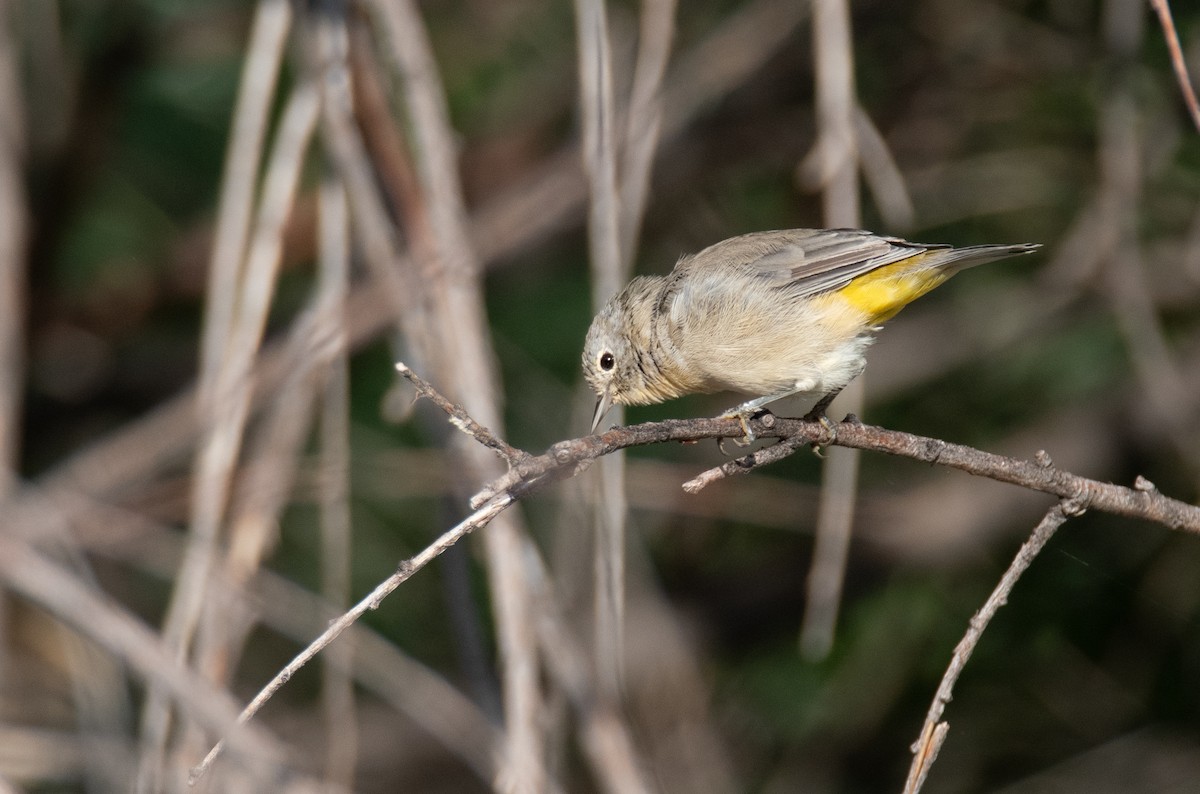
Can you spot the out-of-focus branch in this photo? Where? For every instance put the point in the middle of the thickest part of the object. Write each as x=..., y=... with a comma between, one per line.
x=512, y=220
x=644, y=120
x=260, y=72
x=836, y=156
x=228, y=408
x=882, y=175
x=34, y=577
x=13, y=234
x=599, y=149
x=429, y=700
x=464, y=353
x=609, y=271
x=606, y=739
x=337, y=686
x=1120, y=155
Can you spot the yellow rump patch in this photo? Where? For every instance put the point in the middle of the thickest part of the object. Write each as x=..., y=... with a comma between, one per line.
x=882, y=293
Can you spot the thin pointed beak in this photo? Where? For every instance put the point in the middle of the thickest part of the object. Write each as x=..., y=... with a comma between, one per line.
x=603, y=403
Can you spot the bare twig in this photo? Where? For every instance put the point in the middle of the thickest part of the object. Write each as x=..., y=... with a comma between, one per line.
x=406, y=569
x=933, y=734
x=567, y=458
x=460, y=418
x=1163, y=9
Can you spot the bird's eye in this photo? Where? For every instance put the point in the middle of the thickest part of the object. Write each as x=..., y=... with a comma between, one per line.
x=607, y=361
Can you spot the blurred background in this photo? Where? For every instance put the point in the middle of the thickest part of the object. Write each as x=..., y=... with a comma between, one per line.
x=173, y=488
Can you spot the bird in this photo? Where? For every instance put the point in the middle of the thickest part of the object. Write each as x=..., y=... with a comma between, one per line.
x=768, y=314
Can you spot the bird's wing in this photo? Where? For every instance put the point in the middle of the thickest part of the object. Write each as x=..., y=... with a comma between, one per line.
x=809, y=261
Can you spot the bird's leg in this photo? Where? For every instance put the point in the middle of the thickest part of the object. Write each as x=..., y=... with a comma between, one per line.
x=817, y=414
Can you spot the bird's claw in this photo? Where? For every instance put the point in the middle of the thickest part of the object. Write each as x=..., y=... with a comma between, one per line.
x=828, y=426
x=748, y=437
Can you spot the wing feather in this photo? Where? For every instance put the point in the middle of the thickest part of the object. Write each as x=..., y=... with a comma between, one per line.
x=807, y=261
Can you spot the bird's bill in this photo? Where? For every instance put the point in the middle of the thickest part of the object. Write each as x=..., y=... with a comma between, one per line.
x=603, y=403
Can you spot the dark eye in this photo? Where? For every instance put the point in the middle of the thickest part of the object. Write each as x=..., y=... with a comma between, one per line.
x=606, y=361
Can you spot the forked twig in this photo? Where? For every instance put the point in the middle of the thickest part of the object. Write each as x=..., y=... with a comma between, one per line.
x=461, y=419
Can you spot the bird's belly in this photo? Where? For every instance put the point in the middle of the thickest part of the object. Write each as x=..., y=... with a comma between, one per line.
x=819, y=349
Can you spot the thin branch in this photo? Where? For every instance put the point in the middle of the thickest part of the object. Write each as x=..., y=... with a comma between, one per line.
x=404, y=571
x=567, y=458
x=460, y=418
x=1163, y=9
x=933, y=734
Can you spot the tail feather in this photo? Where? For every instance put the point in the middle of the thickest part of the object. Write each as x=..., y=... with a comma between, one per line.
x=957, y=259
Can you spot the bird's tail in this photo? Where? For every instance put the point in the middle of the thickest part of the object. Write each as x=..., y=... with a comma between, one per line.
x=956, y=259
x=882, y=293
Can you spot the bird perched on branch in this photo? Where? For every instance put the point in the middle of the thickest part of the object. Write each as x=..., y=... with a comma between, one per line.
x=769, y=314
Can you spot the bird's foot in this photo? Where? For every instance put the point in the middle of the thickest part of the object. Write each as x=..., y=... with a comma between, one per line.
x=744, y=414
x=817, y=414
